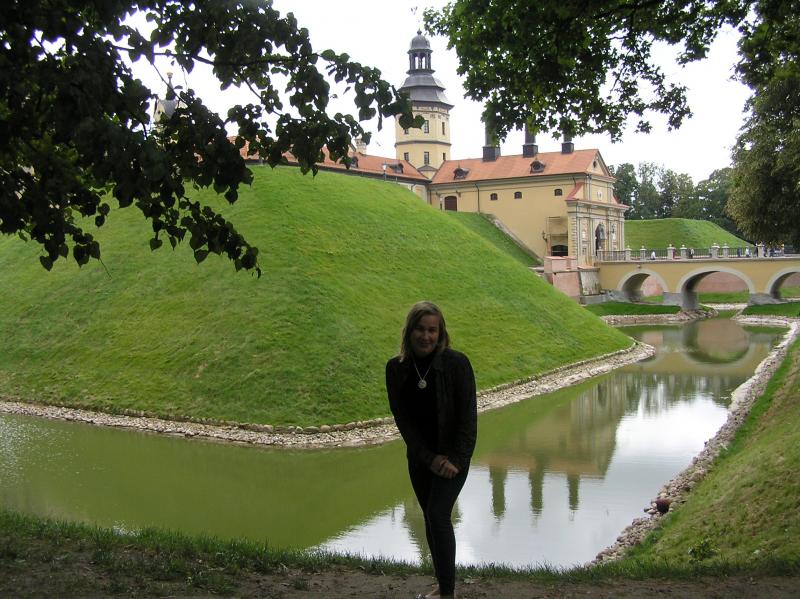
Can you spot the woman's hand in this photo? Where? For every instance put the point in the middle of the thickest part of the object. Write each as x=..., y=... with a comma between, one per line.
x=441, y=466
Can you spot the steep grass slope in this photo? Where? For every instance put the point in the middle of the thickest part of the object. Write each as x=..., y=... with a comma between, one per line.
x=746, y=509
x=480, y=224
x=343, y=259
x=659, y=233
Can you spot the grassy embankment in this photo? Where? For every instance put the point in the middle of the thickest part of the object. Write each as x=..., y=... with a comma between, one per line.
x=742, y=518
x=660, y=233
x=790, y=309
x=480, y=224
x=746, y=509
x=343, y=259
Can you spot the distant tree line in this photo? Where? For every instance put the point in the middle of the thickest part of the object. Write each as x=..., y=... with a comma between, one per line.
x=653, y=191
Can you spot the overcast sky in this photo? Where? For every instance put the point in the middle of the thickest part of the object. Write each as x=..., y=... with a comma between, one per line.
x=378, y=33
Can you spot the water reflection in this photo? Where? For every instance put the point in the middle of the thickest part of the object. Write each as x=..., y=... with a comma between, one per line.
x=554, y=479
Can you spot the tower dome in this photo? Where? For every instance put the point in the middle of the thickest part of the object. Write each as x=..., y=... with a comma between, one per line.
x=420, y=42
x=421, y=85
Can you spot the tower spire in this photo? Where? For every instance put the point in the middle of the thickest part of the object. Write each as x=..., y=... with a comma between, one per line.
x=426, y=148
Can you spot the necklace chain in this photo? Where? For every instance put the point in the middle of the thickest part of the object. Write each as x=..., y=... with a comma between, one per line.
x=422, y=383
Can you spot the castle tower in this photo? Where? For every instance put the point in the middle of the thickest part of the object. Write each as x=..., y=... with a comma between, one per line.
x=166, y=106
x=428, y=147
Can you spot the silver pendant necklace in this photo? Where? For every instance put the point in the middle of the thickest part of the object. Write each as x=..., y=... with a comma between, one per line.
x=422, y=383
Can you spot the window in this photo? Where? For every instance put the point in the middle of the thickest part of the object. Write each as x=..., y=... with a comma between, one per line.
x=405, y=131
x=558, y=192
x=517, y=195
x=405, y=156
x=460, y=173
x=426, y=128
x=443, y=128
x=537, y=167
x=444, y=156
x=426, y=158
x=493, y=197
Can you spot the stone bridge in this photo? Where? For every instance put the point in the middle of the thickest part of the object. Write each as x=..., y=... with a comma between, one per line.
x=622, y=274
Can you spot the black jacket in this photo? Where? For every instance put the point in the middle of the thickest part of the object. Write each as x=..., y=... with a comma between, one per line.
x=456, y=408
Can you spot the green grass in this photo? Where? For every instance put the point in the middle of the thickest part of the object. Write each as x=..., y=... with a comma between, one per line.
x=343, y=259
x=789, y=309
x=480, y=224
x=747, y=508
x=731, y=297
x=626, y=308
x=659, y=233
x=43, y=557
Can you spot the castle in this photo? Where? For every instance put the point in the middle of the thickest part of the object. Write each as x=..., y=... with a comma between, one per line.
x=560, y=206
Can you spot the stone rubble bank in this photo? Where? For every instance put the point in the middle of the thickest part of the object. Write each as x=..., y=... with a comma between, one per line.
x=674, y=493
x=337, y=435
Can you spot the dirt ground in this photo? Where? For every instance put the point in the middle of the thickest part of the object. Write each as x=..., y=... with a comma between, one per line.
x=67, y=574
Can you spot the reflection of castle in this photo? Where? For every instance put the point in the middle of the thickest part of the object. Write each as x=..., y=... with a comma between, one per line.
x=576, y=439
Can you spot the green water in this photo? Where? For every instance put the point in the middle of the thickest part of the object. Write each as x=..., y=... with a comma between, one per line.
x=554, y=479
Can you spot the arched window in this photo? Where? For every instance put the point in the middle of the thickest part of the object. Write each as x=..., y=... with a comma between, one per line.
x=493, y=197
x=517, y=195
x=426, y=127
x=558, y=192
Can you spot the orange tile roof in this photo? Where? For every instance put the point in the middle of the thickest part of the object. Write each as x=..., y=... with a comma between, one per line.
x=367, y=164
x=509, y=167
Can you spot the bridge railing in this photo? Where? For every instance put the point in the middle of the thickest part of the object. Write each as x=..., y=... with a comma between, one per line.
x=683, y=253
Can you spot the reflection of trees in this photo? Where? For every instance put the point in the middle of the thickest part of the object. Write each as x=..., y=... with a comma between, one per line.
x=654, y=393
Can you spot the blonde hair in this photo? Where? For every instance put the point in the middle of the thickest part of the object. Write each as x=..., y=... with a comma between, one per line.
x=415, y=314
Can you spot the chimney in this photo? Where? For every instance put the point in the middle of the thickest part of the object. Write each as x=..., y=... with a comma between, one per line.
x=529, y=148
x=491, y=151
x=567, y=147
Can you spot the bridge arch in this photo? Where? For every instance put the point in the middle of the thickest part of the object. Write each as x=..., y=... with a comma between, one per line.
x=631, y=283
x=776, y=280
x=691, y=278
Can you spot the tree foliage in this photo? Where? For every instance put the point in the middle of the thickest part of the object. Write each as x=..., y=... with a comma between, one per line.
x=75, y=135
x=653, y=191
x=585, y=67
x=765, y=201
x=579, y=67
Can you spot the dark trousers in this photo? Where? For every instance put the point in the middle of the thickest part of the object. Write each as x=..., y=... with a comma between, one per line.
x=437, y=496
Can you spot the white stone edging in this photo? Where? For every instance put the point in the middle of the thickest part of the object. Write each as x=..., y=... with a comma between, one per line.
x=352, y=434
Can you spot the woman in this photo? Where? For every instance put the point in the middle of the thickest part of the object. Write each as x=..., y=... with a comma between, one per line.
x=432, y=397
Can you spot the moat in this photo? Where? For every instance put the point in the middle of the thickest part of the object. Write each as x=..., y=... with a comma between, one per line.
x=554, y=480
